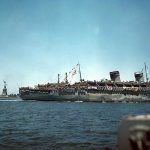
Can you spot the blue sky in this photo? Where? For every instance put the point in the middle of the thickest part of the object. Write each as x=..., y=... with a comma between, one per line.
x=41, y=38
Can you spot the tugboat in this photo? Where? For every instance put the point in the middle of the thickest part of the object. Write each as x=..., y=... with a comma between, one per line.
x=5, y=96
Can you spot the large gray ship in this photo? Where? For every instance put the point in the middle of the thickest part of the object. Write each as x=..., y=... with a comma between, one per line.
x=113, y=90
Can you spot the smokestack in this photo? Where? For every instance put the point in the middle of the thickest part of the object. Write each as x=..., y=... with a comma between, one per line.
x=115, y=76
x=139, y=77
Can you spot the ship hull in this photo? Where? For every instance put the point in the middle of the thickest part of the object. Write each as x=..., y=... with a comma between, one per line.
x=49, y=97
x=117, y=98
x=88, y=97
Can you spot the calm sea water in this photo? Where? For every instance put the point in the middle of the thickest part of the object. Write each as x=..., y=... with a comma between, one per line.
x=62, y=126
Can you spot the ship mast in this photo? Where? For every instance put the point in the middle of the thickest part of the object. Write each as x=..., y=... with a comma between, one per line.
x=58, y=78
x=66, y=78
x=146, y=72
x=80, y=72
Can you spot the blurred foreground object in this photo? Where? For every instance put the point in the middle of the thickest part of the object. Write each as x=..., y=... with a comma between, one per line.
x=134, y=133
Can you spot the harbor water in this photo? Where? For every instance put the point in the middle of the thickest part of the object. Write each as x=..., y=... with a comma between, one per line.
x=27, y=125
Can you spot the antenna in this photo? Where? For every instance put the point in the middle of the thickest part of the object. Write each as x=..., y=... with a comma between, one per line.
x=146, y=72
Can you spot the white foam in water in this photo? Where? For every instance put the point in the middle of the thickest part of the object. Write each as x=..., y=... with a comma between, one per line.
x=78, y=101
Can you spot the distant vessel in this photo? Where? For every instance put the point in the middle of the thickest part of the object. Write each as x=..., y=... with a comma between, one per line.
x=112, y=90
x=5, y=96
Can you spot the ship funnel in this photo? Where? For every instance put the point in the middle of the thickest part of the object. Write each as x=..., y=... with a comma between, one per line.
x=139, y=76
x=115, y=76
